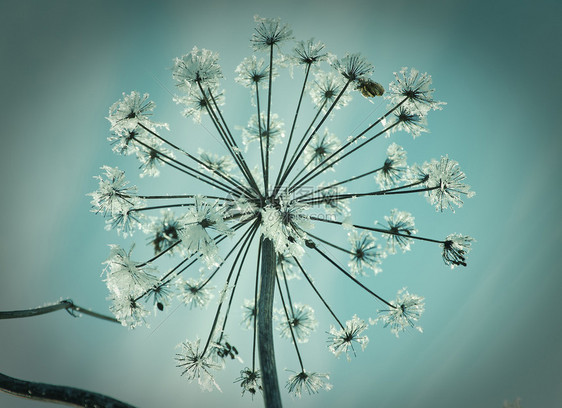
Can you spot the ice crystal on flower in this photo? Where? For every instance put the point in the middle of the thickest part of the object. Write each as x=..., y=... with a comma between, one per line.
x=114, y=195
x=161, y=296
x=194, y=234
x=342, y=339
x=132, y=110
x=151, y=158
x=320, y=147
x=125, y=276
x=446, y=183
x=326, y=88
x=416, y=174
x=250, y=381
x=406, y=312
x=197, y=103
x=194, y=293
x=248, y=313
x=269, y=32
x=285, y=224
x=197, y=68
x=330, y=201
x=285, y=266
x=403, y=119
x=394, y=167
x=365, y=253
x=125, y=221
x=400, y=227
x=309, y=382
x=309, y=53
x=127, y=309
x=353, y=67
x=215, y=163
x=164, y=231
x=252, y=71
x=255, y=131
x=415, y=89
x=123, y=140
x=196, y=365
x=301, y=321
x=455, y=248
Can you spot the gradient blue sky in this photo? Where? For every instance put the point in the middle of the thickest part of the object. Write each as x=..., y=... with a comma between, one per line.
x=492, y=331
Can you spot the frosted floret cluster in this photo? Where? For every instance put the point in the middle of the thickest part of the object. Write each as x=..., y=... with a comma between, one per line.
x=196, y=365
x=127, y=280
x=250, y=381
x=248, y=313
x=342, y=340
x=455, y=249
x=285, y=224
x=194, y=293
x=332, y=205
x=365, y=253
x=321, y=147
x=114, y=195
x=401, y=227
x=194, y=233
x=215, y=163
x=414, y=90
x=326, y=88
x=128, y=310
x=353, y=67
x=269, y=32
x=253, y=71
x=126, y=114
x=265, y=204
x=164, y=231
x=116, y=199
x=309, y=53
x=309, y=382
x=446, y=181
x=404, y=120
x=394, y=167
x=196, y=103
x=301, y=322
x=256, y=132
x=198, y=67
x=406, y=312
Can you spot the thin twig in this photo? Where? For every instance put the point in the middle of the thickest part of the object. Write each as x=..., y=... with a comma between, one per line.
x=58, y=394
x=66, y=304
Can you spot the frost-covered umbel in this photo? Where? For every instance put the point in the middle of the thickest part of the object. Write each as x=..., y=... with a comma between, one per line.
x=292, y=175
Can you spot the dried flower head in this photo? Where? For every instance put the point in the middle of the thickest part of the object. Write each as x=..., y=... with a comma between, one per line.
x=406, y=312
x=255, y=199
x=455, y=248
x=196, y=365
x=342, y=339
x=269, y=32
x=309, y=382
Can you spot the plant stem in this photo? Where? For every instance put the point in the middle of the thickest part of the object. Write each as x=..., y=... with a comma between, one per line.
x=270, y=383
x=57, y=393
x=66, y=304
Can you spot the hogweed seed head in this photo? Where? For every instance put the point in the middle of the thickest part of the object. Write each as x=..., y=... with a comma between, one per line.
x=254, y=197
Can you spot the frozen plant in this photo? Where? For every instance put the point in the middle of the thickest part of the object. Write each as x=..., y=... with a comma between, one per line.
x=268, y=196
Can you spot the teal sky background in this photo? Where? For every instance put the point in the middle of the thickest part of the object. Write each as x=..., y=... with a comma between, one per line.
x=492, y=331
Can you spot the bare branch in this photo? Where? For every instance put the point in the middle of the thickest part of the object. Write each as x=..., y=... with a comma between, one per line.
x=58, y=393
x=66, y=304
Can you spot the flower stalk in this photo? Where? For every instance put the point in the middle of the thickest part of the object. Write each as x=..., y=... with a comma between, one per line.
x=266, y=351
